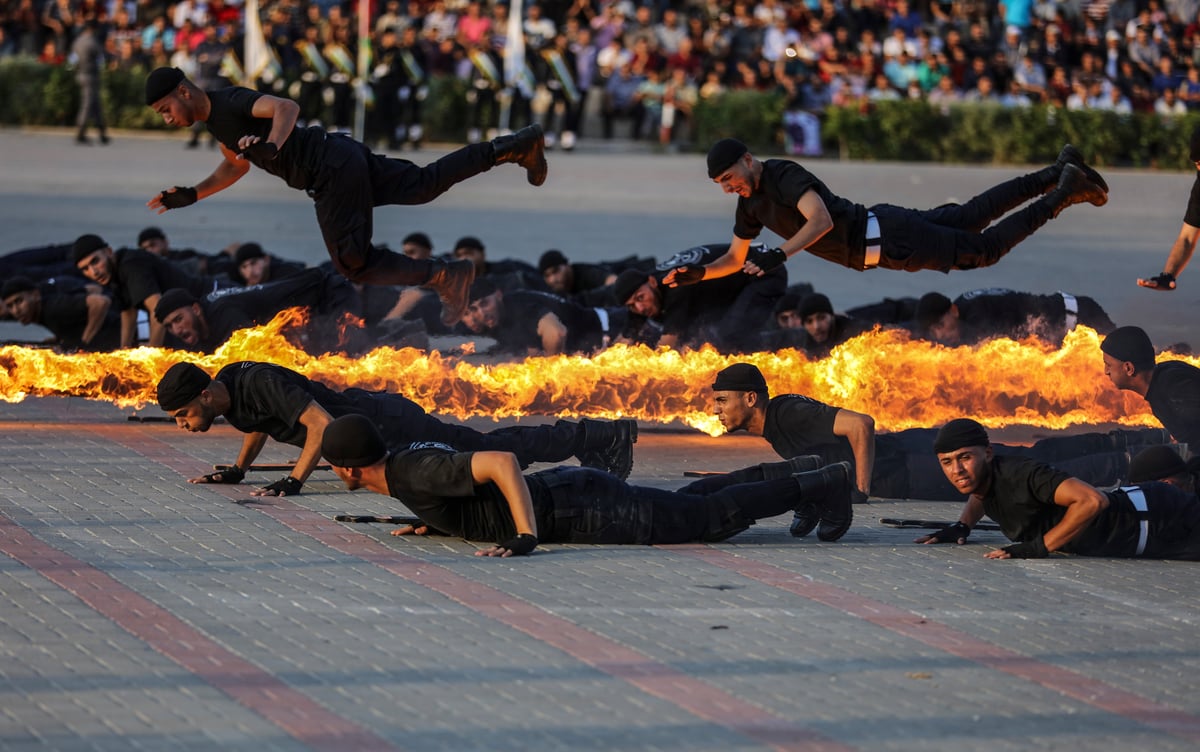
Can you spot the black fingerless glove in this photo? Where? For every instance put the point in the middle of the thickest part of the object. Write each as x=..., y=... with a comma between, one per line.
x=688, y=275
x=263, y=151
x=1164, y=281
x=288, y=486
x=1034, y=549
x=951, y=533
x=767, y=259
x=178, y=198
x=521, y=544
x=232, y=474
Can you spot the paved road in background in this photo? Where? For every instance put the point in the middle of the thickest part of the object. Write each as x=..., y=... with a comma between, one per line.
x=141, y=612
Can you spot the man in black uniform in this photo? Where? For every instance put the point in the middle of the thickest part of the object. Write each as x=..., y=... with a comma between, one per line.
x=195, y=263
x=979, y=315
x=137, y=280
x=727, y=313
x=1043, y=509
x=508, y=274
x=204, y=324
x=482, y=495
x=264, y=400
x=343, y=178
x=531, y=322
x=588, y=284
x=1172, y=387
x=823, y=328
x=79, y=315
x=789, y=200
x=38, y=263
x=1185, y=242
x=254, y=266
x=1164, y=464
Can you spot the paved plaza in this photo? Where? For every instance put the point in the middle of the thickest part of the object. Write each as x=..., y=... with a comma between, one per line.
x=143, y=613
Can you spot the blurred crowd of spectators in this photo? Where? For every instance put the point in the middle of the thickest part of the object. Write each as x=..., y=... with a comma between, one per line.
x=650, y=63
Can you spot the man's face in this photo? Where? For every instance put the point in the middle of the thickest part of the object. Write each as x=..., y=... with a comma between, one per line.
x=946, y=329
x=255, y=270
x=483, y=314
x=351, y=476
x=24, y=306
x=97, y=266
x=157, y=246
x=197, y=415
x=416, y=251
x=1120, y=372
x=789, y=319
x=968, y=469
x=186, y=323
x=819, y=325
x=738, y=178
x=475, y=255
x=733, y=409
x=175, y=110
x=559, y=278
x=645, y=300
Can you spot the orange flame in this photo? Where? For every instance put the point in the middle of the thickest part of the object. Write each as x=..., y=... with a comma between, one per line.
x=902, y=383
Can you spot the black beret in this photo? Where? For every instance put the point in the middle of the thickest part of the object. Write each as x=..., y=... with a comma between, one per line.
x=1130, y=343
x=959, y=433
x=481, y=288
x=247, y=251
x=86, y=245
x=627, y=284
x=151, y=233
x=181, y=384
x=551, y=259
x=931, y=307
x=15, y=285
x=723, y=154
x=1194, y=145
x=740, y=377
x=469, y=241
x=352, y=441
x=1155, y=463
x=814, y=303
x=789, y=302
x=418, y=238
x=161, y=82
x=171, y=301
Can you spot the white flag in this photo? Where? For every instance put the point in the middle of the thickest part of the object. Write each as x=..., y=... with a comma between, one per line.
x=514, y=48
x=260, y=60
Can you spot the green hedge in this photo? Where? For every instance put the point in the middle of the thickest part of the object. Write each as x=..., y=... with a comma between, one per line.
x=35, y=94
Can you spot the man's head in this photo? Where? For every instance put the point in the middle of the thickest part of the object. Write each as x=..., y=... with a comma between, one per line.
x=938, y=318
x=965, y=454
x=816, y=316
x=739, y=392
x=485, y=306
x=349, y=444
x=172, y=96
x=787, y=312
x=557, y=272
x=94, y=258
x=180, y=312
x=153, y=240
x=639, y=292
x=1160, y=463
x=1128, y=356
x=22, y=299
x=184, y=392
x=732, y=166
x=471, y=248
x=417, y=245
x=252, y=264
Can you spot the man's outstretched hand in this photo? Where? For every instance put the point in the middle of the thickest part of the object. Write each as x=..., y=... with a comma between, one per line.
x=1164, y=282
x=173, y=198
x=683, y=275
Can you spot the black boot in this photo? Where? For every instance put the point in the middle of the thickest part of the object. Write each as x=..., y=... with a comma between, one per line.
x=608, y=445
x=802, y=464
x=1074, y=188
x=807, y=514
x=526, y=147
x=828, y=490
x=451, y=280
x=1071, y=155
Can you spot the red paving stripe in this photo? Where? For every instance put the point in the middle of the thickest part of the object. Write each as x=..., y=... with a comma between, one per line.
x=1071, y=683
x=293, y=712
x=695, y=696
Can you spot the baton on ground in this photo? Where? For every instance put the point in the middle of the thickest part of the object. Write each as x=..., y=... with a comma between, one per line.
x=931, y=524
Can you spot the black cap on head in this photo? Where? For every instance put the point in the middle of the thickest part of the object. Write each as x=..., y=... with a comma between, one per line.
x=469, y=241
x=247, y=251
x=1155, y=463
x=814, y=302
x=959, y=433
x=352, y=441
x=1130, y=343
x=740, y=377
x=151, y=233
x=627, y=284
x=171, y=301
x=418, y=238
x=930, y=308
x=161, y=82
x=15, y=285
x=481, y=288
x=551, y=259
x=789, y=302
x=181, y=384
x=86, y=245
x=1194, y=145
x=723, y=154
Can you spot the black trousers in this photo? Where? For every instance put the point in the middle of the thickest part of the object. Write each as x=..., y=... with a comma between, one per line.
x=740, y=308
x=90, y=107
x=38, y=263
x=351, y=181
x=953, y=236
x=1168, y=527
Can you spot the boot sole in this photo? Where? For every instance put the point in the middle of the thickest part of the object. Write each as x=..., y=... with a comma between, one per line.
x=1075, y=157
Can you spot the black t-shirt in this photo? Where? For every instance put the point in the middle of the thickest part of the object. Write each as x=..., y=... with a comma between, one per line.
x=231, y=118
x=1021, y=497
x=140, y=274
x=998, y=312
x=796, y=425
x=1174, y=397
x=1192, y=215
x=65, y=314
x=588, y=277
x=523, y=309
x=773, y=206
x=437, y=485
